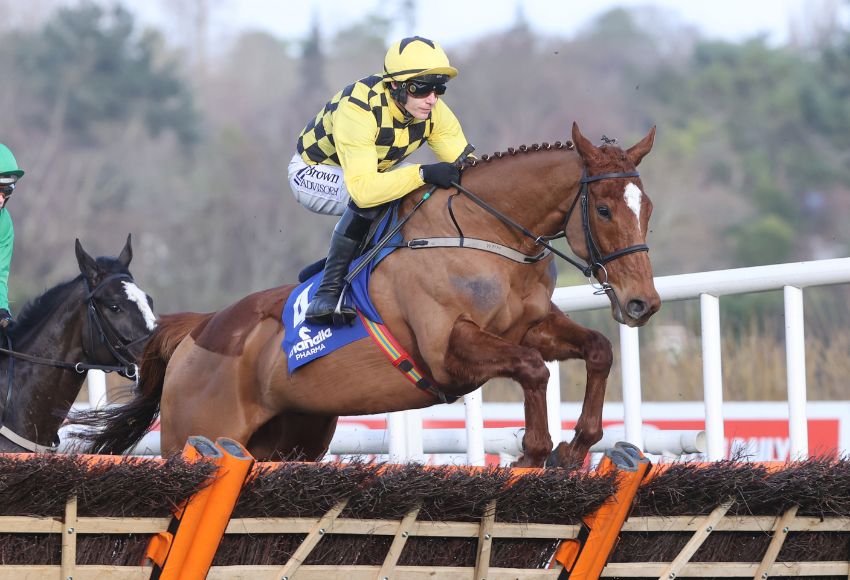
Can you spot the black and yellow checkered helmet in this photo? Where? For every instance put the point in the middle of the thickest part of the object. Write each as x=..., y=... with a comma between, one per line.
x=416, y=56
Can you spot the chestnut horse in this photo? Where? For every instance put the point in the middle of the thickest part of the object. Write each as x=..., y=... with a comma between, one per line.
x=464, y=315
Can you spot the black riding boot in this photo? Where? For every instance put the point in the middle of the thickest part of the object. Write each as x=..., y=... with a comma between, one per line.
x=348, y=234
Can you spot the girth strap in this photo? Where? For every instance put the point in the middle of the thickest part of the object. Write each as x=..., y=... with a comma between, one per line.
x=401, y=360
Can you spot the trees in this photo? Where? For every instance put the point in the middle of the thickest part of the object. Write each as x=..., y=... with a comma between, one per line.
x=102, y=119
x=763, y=103
x=90, y=66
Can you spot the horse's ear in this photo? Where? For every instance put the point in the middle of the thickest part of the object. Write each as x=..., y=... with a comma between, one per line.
x=583, y=145
x=127, y=253
x=638, y=151
x=88, y=265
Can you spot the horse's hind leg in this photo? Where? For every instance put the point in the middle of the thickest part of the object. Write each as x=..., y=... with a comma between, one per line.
x=557, y=337
x=475, y=356
x=293, y=436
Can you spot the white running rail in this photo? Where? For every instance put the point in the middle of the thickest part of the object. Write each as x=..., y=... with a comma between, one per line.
x=708, y=287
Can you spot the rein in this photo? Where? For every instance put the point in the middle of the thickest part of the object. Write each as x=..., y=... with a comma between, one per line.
x=107, y=335
x=130, y=371
x=596, y=259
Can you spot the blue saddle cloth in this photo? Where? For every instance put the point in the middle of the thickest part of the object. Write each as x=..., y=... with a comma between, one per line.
x=304, y=342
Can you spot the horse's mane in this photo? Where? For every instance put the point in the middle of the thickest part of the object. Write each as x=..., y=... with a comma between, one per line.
x=521, y=149
x=36, y=310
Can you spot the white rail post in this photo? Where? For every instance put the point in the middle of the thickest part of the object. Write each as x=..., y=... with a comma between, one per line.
x=795, y=363
x=553, y=402
x=96, y=386
x=397, y=431
x=632, y=399
x=474, y=428
x=413, y=428
x=712, y=375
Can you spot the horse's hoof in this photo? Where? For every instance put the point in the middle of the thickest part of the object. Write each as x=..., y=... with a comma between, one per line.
x=525, y=461
x=564, y=456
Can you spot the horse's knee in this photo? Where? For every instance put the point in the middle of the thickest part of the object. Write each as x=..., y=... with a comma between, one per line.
x=532, y=373
x=598, y=354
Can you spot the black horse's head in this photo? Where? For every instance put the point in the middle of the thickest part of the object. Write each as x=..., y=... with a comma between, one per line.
x=120, y=315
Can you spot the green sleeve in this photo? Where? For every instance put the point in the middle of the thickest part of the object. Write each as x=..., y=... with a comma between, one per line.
x=7, y=241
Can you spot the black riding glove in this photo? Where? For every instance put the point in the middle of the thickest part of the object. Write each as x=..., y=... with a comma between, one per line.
x=5, y=318
x=441, y=174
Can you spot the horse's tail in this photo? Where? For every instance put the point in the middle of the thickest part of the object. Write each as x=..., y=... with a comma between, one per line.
x=113, y=430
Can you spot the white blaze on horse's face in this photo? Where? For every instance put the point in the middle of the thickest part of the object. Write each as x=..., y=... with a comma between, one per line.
x=136, y=294
x=633, y=196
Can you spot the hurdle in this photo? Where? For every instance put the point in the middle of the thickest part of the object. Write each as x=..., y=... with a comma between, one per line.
x=363, y=520
x=186, y=546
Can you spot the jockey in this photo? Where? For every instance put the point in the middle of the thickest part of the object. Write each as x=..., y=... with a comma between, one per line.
x=9, y=175
x=349, y=156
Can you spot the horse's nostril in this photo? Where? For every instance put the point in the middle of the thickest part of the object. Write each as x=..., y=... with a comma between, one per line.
x=637, y=308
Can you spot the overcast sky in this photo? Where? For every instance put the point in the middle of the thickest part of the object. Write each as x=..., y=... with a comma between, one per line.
x=455, y=21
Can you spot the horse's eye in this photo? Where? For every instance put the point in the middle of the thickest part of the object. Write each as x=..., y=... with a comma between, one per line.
x=114, y=308
x=603, y=211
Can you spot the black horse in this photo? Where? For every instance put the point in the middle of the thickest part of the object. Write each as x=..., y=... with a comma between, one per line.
x=98, y=320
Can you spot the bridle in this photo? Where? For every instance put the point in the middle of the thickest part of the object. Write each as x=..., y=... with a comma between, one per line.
x=117, y=345
x=596, y=260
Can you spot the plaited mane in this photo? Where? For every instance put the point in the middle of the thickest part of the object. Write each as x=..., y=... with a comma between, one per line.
x=521, y=149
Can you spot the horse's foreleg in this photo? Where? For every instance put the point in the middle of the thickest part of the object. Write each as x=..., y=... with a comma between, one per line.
x=475, y=356
x=557, y=337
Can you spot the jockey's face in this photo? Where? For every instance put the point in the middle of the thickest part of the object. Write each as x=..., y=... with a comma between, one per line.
x=6, y=193
x=420, y=102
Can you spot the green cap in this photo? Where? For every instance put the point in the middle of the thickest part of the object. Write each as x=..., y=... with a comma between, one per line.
x=8, y=164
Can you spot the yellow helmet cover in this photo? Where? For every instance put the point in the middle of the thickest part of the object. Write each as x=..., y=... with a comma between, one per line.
x=416, y=56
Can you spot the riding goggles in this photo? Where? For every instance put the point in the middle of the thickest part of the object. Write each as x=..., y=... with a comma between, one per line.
x=421, y=90
x=7, y=190
x=8, y=179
